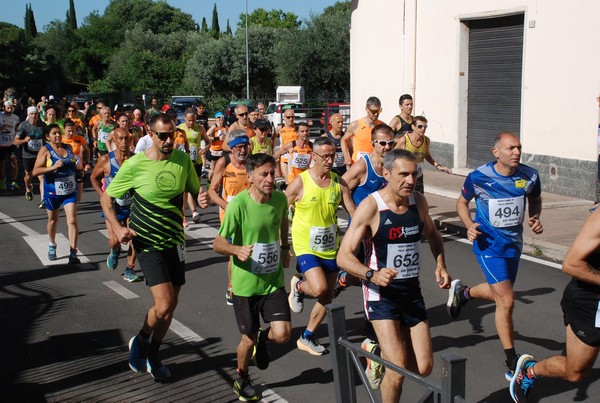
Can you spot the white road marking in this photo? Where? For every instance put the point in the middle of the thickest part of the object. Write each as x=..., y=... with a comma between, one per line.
x=524, y=257
x=202, y=232
x=185, y=332
x=119, y=289
x=39, y=244
x=124, y=247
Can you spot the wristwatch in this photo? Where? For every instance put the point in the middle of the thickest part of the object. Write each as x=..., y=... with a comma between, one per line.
x=369, y=275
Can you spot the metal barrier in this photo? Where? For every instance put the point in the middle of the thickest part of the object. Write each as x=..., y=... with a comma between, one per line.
x=452, y=389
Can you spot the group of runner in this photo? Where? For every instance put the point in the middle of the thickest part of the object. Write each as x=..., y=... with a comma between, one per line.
x=374, y=171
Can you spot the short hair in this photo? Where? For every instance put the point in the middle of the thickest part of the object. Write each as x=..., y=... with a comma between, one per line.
x=404, y=97
x=381, y=128
x=303, y=124
x=258, y=160
x=48, y=128
x=172, y=113
x=374, y=101
x=322, y=141
x=162, y=117
x=68, y=122
x=499, y=136
x=393, y=155
x=236, y=134
x=120, y=115
x=420, y=118
x=191, y=111
x=239, y=107
x=200, y=103
x=105, y=108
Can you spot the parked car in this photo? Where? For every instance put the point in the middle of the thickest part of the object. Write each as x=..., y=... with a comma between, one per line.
x=275, y=110
x=181, y=102
x=336, y=107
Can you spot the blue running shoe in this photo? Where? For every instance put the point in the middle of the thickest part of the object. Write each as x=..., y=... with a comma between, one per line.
x=52, y=252
x=129, y=275
x=158, y=371
x=523, y=379
x=138, y=354
x=112, y=261
x=73, y=259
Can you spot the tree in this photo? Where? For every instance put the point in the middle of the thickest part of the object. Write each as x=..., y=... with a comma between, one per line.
x=277, y=19
x=228, y=30
x=216, y=31
x=72, y=16
x=30, y=28
x=204, y=28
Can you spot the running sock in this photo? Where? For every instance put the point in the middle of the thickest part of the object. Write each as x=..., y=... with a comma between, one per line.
x=153, y=349
x=298, y=288
x=307, y=334
x=144, y=336
x=467, y=294
x=511, y=358
x=342, y=279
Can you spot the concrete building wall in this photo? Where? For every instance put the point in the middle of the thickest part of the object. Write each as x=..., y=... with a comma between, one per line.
x=421, y=48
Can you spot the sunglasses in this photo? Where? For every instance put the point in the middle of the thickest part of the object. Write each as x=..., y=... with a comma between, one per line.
x=375, y=111
x=242, y=146
x=290, y=117
x=163, y=136
x=243, y=114
x=384, y=143
x=422, y=127
x=325, y=157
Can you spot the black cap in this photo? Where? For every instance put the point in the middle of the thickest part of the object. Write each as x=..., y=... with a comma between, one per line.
x=261, y=124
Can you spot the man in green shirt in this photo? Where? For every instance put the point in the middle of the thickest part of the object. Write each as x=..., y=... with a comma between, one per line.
x=255, y=232
x=158, y=178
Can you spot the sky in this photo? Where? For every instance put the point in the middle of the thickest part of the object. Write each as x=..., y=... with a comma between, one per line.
x=13, y=11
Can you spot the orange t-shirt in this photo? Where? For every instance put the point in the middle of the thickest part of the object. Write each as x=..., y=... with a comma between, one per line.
x=361, y=142
x=299, y=161
x=234, y=182
x=216, y=141
x=288, y=134
x=76, y=142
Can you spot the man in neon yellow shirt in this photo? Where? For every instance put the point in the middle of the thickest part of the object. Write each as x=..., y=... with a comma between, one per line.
x=316, y=194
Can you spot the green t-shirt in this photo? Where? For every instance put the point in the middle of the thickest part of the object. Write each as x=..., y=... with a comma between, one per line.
x=247, y=222
x=158, y=188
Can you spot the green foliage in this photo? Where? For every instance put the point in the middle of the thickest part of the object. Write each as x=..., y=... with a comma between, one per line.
x=204, y=28
x=228, y=30
x=30, y=27
x=72, y=16
x=277, y=19
x=216, y=31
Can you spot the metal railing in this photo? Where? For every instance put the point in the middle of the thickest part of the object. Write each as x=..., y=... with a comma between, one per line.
x=452, y=389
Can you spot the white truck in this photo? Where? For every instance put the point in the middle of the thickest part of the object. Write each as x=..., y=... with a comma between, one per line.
x=287, y=97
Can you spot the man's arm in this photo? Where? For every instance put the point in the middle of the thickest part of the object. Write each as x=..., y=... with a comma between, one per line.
x=223, y=247
x=395, y=123
x=294, y=191
x=400, y=142
x=86, y=156
x=345, y=143
x=347, y=201
x=124, y=234
x=283, y=149
x=18, y=140
x=216, y=182
x=462, y=208
x=98, y=173
x=436, y=244
x=535, y=210
x=355, y=174
x=582, y=259
x=283, y=233
x=360, y=228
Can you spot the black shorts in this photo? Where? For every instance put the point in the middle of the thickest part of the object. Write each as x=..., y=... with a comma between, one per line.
x=273, y=307
x=211, y=157
x=401, y=300
x=581, y=309
x=163, y=266
x=79, y=176
x=28, y=164
x=198, y=168
x=5, y=153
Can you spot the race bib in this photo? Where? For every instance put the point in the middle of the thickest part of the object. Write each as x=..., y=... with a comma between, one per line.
x=181, y=147
x=193, y=152
x=301, y=161
x=102, y=136
x=216, y=153
x=64, y=186
x=181, y=252
x=265, y=258
x=34, y=145
x=124, y=200
x=6, y=139
x=506, y=212
x=323, y=239
x=339, y=160
x=404, y=257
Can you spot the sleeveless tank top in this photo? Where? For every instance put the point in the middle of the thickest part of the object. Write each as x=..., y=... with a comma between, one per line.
x=405, y=127
x=299, y=160
x=339, y=156
x=125, y=200
x=257, y=148
x=62, y=181
x=372, y=183
x=234, y=182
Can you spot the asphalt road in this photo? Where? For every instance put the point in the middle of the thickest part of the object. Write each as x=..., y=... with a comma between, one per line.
x=65, y=328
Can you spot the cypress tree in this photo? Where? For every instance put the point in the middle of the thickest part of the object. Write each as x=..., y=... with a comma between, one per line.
x=72, y=16
x=216, y=31
x=204, y=28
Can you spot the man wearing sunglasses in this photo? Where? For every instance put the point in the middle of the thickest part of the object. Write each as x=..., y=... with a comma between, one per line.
x=316, y=195
x=242, y=123
x=359, y=132
x=158, y=178
x=418, y=143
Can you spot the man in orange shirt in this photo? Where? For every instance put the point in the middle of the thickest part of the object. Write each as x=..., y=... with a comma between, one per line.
x=82, y=154
x=299, y=151
x=288, y=134
x=360, y=133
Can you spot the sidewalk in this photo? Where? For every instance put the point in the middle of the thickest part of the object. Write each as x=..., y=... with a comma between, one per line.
x=562, y=216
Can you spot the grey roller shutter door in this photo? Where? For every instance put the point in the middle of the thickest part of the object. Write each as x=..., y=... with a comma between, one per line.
x=494, y=94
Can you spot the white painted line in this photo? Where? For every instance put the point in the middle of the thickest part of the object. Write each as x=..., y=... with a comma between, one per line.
x=185, y=332
x=269, y=396
x=342, y=223
x=524, y=257
x=202, y=232
x=124, y=247
x=39, y=244
x=21, y=227
x=119, y=289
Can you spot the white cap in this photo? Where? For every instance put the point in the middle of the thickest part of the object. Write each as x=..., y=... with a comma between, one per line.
x=32, y=109
x=51, y=98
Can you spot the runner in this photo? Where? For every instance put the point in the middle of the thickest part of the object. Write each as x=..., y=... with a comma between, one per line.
x=299, y=152
x=216, y=133
x=316, y=195
x=57, y=163
x=417, y=143
x=500, y=189
x=402, y=123
x=101, y=130
x=335, y=135
x=580, y=303
x=261, y=142
x=254, y=233
x=392, y=221
x=105, y=170
x=8, y=126
x=287, y=133
x=230, y=174
x=158, y=178
x=82, y=154
x=30, y=137
x=359, y=132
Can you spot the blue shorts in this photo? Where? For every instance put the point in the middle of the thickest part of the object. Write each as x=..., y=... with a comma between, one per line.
x=401, y=300
x=498, y=269
x=122, y=212
x=53, y=202
x=308, y=261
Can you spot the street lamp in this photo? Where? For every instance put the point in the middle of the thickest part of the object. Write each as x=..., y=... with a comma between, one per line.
x=247, y=57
